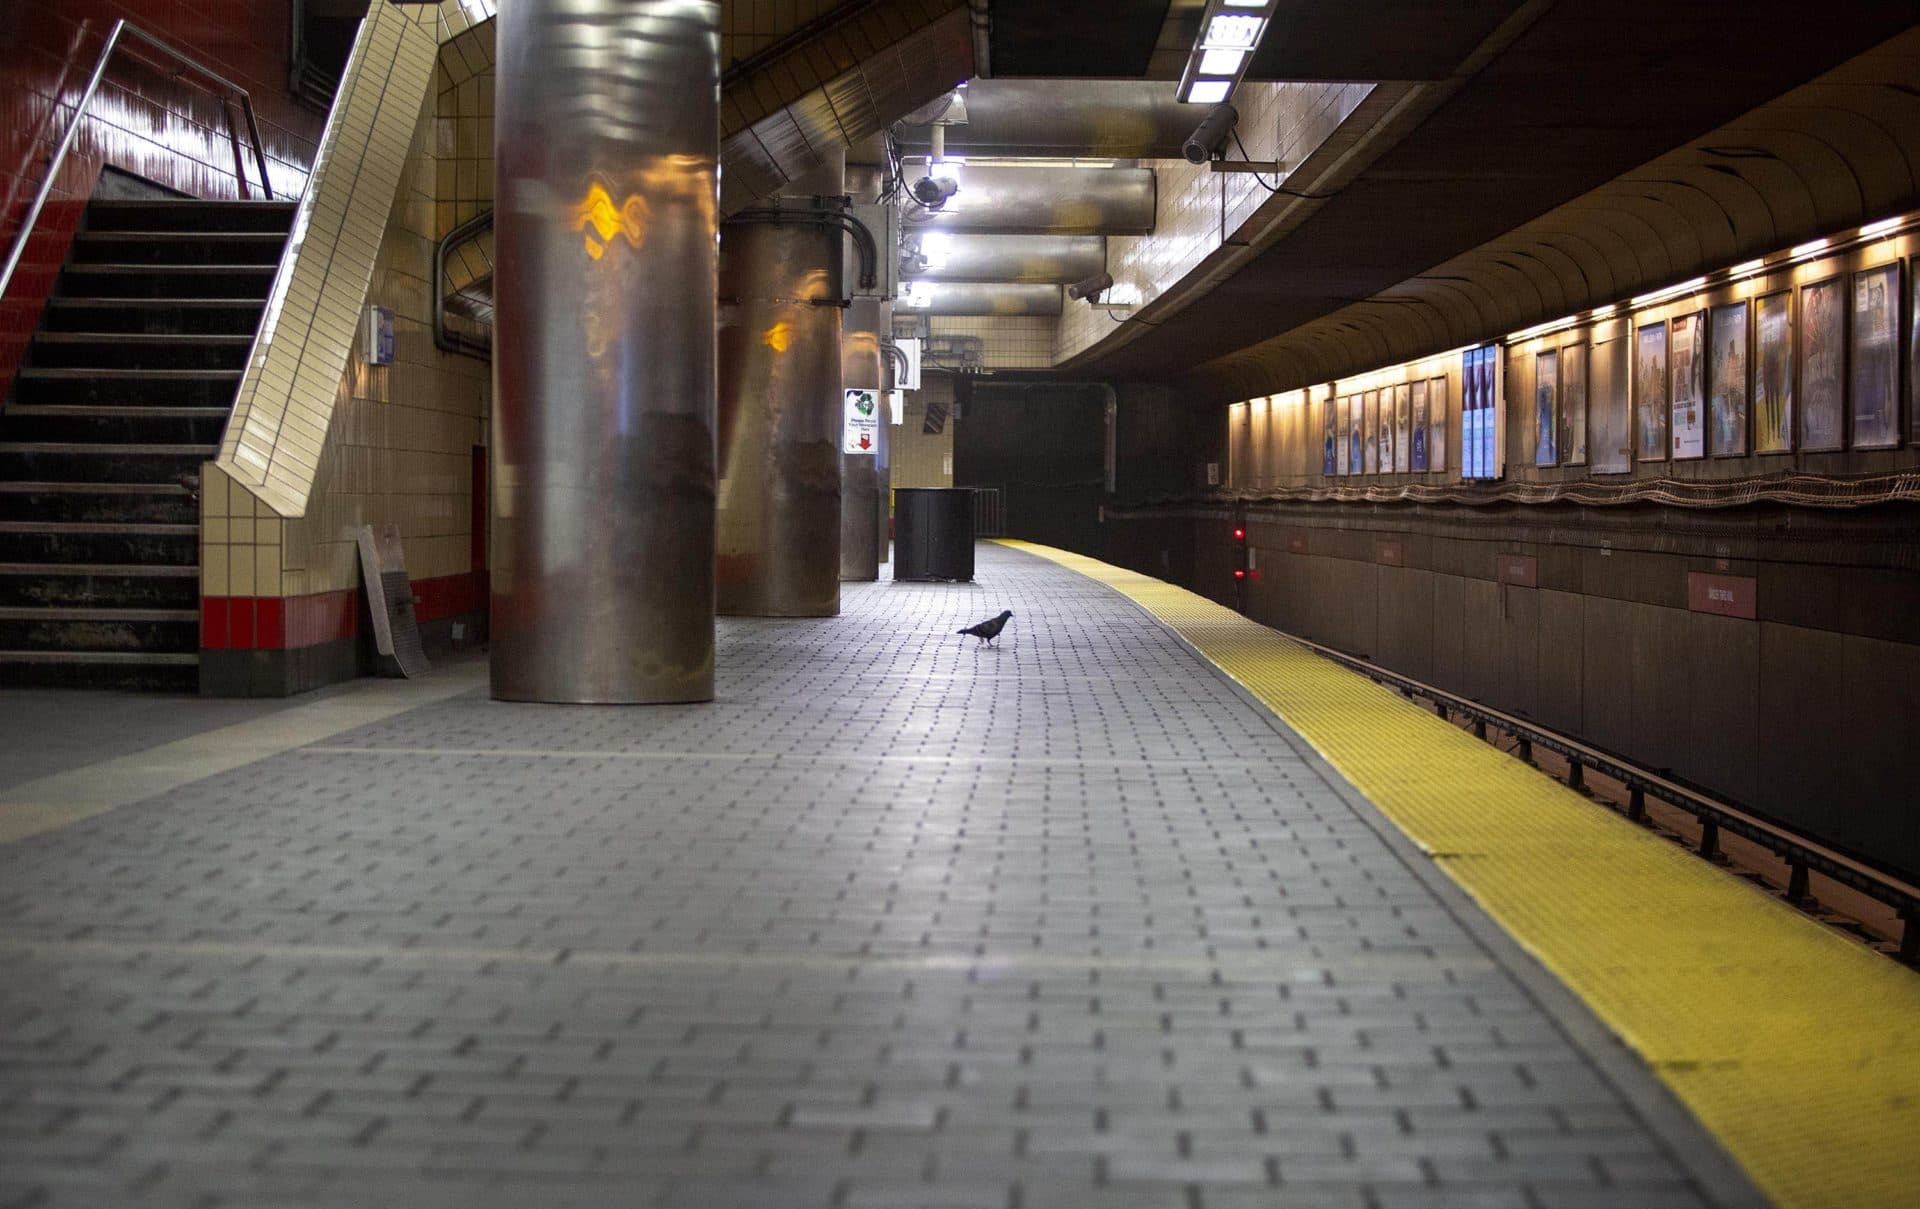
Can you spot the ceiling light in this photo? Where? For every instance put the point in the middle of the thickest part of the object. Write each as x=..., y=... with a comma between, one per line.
x=1220, y=62
x=1885, y=226
x=1230, y=31
x=1208, y=92
x=1808, y=249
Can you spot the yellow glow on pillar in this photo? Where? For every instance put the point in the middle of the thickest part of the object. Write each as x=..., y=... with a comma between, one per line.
x=596, y=210
x=779, y=337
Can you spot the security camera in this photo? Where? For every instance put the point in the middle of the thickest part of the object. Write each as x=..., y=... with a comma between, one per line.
x=1091, y=288
x=1209, y=141
x=934, y=192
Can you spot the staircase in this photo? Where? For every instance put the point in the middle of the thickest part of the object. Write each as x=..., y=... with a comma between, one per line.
x=125, y=393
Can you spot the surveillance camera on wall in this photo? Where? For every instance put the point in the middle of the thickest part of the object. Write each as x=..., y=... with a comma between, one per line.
x=1091, y=288
x=1209, y=140
x=934, y=192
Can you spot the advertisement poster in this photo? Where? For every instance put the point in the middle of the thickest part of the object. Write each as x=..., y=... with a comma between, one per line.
x=1876, y=357
x=861, y=431
x=1403, y=428
x=1386, y=431
x=1773, y=374
x=1353, y=461
x=1727, y=381
x=1479, y=414
x=1329, y=436
x=1823, y=358
x=1610, y=424
x=1417, y=457
x=1650, y=390
x=1546, y=409
x=1573, y=405
x=1437, y=438
x=1370, y=435
x=1689, y=386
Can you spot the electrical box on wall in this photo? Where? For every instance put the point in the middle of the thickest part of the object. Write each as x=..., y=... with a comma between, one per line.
x=377, y=335
x=884, y=221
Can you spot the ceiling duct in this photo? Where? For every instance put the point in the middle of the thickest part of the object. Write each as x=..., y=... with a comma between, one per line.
x=958, y=298
x=782, y=111
x=1044, y=259
x=1064, y=119
x=996, y=199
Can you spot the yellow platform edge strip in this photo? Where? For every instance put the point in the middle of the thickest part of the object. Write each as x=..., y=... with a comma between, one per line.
x=1797, y=1048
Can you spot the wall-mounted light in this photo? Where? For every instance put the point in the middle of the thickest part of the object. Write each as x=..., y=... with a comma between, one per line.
x=1230, y=33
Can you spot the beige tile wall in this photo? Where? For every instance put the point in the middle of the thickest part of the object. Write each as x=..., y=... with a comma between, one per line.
x=1198, y=207
x=398, y=439
x=920, y=460
x=1010, y=341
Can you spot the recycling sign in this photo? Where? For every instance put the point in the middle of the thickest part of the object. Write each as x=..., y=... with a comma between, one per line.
x=861, y=433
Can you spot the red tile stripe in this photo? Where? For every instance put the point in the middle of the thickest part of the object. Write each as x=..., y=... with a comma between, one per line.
x=274, y=623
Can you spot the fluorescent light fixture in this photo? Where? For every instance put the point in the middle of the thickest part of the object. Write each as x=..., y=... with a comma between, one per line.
x=1601, y=312
x=1672, y=291
x=1230, y=31
x=1541, y=329
x=1808, y=249
x=936, y=247
x=1233, y=31
x=1748, y=269
x=1885, y=226
x=1220, y=62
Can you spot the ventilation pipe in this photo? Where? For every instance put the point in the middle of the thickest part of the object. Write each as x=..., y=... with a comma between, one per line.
x=1034, y=259
x=996, y=199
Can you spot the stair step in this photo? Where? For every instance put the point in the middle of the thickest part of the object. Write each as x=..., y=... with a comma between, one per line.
x=94, y=630
x=165, y=280
x=11, y=613
x=91, y=542
x=109, y=424
x=76, y=585
x=158, y=316
x=76, y=462
x=135, y=503
x=71, y=385
x=190, y=215
x=140, y=351
x=179, y=247
x=162, y=671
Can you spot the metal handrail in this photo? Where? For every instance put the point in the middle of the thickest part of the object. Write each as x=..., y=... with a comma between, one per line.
x=123, y=28
x=444, y=338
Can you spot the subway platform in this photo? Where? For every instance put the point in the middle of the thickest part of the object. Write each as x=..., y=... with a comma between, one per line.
x=899, y=921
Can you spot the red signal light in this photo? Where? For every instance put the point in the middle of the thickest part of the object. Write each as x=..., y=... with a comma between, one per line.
x=1239, y=573
x=1239, y=535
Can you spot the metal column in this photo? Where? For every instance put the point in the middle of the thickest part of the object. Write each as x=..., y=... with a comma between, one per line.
x=603, y=438
x=780, y=325
x=860, y=365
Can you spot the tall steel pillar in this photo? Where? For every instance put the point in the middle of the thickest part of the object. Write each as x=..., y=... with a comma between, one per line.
x=860, y=365
x=606, y=149
x=780, y=325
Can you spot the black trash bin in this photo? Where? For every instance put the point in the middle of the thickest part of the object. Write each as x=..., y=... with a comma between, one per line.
x=933, y=533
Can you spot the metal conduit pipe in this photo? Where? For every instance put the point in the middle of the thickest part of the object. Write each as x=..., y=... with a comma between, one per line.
x=1101, y=119
x=863, y=240
x=1045, y=259
x=956, y=298
x=606, y=150
x=998, y=199
x=444, y=338
x=779, y=548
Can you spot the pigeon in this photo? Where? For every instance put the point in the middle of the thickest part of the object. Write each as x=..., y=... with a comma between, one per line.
x=989, y=629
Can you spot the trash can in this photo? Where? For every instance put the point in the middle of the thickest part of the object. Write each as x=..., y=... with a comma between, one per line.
x=933, y=533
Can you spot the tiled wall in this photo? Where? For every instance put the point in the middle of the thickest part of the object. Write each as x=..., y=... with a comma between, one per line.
x=1010, y=342
x=919, y=458
x=748, y=27
x=398, y=439
x=1198, y=208
x=142, y=121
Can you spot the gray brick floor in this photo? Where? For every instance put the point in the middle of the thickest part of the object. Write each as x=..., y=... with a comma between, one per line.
x=896, y=923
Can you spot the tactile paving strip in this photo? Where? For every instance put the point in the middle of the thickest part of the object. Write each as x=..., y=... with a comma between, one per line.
x=1797, y=1048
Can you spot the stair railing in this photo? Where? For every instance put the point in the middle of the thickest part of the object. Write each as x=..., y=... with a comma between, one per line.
x=445, y=338
x=125, y=31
